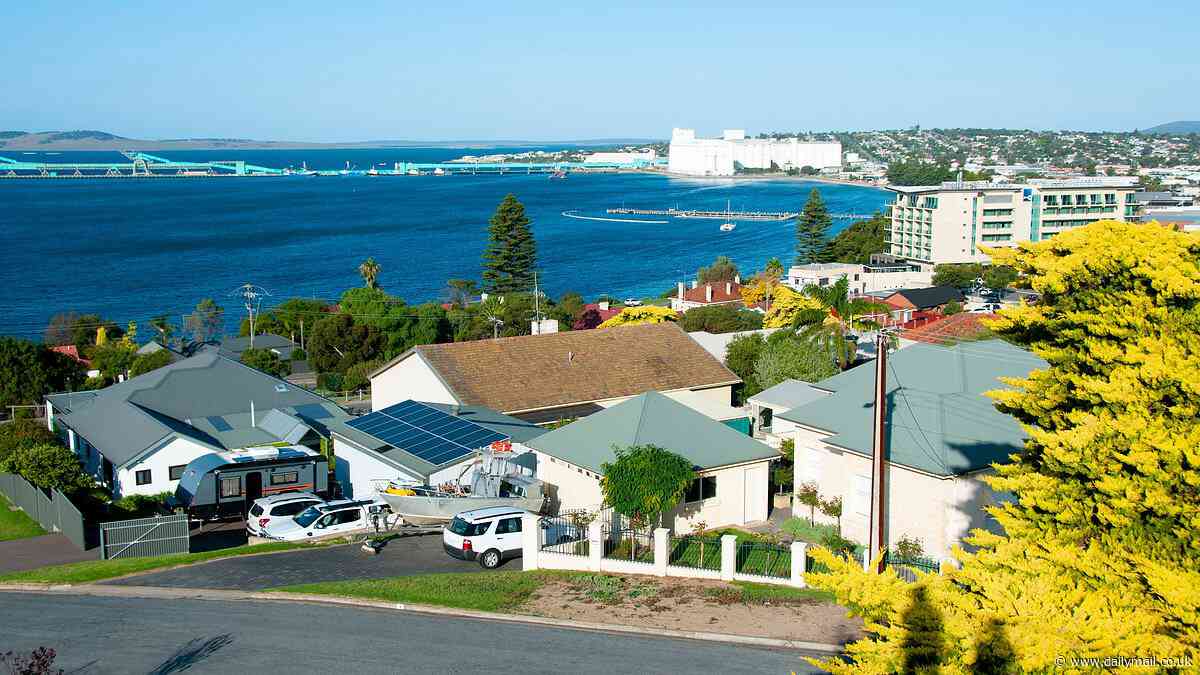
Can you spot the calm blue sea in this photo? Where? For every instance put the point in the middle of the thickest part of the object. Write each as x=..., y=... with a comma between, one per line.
x=130, y=249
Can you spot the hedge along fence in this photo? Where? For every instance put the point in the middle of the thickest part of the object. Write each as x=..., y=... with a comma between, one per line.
x=696, y=552
x=53, y=511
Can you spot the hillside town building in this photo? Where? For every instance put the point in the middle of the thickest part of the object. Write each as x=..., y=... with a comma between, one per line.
x=724, y=156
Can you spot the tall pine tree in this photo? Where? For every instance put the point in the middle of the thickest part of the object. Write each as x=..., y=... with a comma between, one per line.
x=812, y=230
x=511, y=253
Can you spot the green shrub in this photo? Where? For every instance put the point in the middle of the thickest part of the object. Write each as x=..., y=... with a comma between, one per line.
x=48, y=466
x=23, y=433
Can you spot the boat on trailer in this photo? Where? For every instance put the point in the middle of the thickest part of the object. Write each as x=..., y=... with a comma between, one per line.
x=495, y=483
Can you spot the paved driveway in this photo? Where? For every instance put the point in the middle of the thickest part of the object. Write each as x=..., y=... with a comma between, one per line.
x=48, y=549
x=401, y=557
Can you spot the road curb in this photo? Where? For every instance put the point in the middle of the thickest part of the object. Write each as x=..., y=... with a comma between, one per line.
x=158, y=592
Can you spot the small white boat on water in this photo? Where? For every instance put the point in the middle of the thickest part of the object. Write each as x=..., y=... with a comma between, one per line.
x=728, y=225
x=495, y=482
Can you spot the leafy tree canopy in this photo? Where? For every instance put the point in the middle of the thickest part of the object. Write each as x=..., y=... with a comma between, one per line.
x=958, y=275
x=645, y=481
x=644, y=314
x=787, y=306
x=337, y=343
x=267, y=361
x=206, y=321
x=23, y=433
x=741, y=354
x=47, y=465
x=1098, y=554
x=402, y=326
x=720, y=319
x=148, y=362
x=286, y=319
x=795, y=357
x=857, y=243
x=722, y=269
x=29, y=371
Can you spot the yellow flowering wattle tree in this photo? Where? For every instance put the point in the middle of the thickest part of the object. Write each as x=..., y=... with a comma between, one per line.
x=1099, y=556
x=644, y=314
x=786, y=305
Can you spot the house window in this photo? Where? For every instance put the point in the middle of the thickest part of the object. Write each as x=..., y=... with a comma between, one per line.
x=285, y=477
x=704, y=487
x=143, y=477
x=176, y=472
x=231, y=486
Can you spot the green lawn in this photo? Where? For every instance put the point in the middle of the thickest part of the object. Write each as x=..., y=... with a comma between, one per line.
x=490, y=592
x=507, y=591
x=802, y=530
x=96, y=570
x=15, y=524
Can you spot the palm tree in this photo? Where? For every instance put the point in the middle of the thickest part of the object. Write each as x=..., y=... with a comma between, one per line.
x=841, y=315
x=369, y=270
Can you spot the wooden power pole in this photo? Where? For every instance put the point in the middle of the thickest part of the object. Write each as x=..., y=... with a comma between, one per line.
x=878, y=446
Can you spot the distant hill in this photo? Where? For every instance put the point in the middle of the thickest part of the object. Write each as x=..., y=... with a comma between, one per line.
x=1175, y=128
x=102, y=140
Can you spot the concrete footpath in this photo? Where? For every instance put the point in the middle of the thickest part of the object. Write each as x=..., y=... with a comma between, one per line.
x=151, y=592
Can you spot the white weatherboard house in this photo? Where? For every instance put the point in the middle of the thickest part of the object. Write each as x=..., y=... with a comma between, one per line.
x=767, y=405
x=943, y=436
x=559, y=376
x=137, y=436
x=734, y=469
x=430, y=443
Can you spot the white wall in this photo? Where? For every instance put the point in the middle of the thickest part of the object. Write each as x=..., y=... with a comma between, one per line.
x=411, y=378
x=355, y=468
x=574, y=487
x=940, y=511
x=174, y=452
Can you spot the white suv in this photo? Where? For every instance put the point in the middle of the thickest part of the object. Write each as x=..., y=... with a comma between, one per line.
x=323, y=520
x=491, y=535
x=264, y=510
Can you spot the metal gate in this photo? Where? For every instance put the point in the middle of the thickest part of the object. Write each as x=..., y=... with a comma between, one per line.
x=144, y=537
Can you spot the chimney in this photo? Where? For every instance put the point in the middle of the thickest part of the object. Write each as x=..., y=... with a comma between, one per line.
x=679, y=290
x=737, y=279
x=252, y=422
x=728, y=288
x=454, y=410
x=695, y=283
x=603, y=304
x=708, y=292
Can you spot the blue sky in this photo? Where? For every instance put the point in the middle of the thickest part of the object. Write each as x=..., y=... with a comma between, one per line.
x=339, y=71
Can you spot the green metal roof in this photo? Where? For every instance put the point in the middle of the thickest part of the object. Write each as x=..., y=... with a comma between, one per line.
x=939, y=420
x=650, y=419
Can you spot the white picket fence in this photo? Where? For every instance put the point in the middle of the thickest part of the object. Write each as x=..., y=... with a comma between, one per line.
x=536, y=555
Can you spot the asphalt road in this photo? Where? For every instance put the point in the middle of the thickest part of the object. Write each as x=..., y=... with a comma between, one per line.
x=401, y=557
x=136, y=635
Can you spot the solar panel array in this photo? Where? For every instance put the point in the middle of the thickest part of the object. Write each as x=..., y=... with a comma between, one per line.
x=426, y=432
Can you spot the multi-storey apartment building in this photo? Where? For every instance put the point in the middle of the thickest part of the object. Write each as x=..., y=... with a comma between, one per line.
x=948, y=223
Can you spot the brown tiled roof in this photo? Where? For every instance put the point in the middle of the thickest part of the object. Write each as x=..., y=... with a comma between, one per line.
x=719, y=295
x=532, y=372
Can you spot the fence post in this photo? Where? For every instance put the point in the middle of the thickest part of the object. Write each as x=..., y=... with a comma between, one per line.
x=799, y=563
x=728, y=556
x=595, y=544
x=661, y=537
x=531, y=541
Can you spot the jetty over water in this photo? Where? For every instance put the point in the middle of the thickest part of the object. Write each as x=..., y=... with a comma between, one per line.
x=140, y=165
x=725, y=215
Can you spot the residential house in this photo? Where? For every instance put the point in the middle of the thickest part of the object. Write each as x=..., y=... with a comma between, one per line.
x=428, y=443
x=557, y=376
x=137, y=436
x=604, y=309
x=732, y=487
x=767, y=405
x=717, y=344
x=705, y=295
x=943, y=436
x=234, y=347
x=907, y=302
x=860, y=279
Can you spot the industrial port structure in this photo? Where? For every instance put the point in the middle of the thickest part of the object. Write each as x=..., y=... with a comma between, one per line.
x=143, y=165
x=140, y=165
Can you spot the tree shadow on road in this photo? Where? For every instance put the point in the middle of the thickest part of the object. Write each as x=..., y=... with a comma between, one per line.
x=192, y=653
